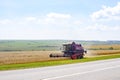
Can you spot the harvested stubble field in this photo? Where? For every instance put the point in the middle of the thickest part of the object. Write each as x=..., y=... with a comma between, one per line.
x=15, y=57
x=102, y=52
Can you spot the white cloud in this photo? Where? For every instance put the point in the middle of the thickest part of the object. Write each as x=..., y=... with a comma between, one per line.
x=78, y=22
x=49, y=26
x=30, y=18
x=100, y=27
x=105, y=21
x=5, y=21
x=48, y=19
x=110, y=13
x=56, y=19
x=53, y=27
x=59, y=15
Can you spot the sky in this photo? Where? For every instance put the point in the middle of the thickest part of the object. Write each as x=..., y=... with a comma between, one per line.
x=60, y=19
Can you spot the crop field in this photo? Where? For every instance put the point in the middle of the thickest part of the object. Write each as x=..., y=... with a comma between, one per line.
x=103, y=47
x=14, y=52
x=102, y=52
x=57, y=62
x=41, y=56
x=26, y=56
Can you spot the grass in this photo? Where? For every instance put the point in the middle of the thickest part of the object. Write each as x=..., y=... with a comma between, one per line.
x=53, y=63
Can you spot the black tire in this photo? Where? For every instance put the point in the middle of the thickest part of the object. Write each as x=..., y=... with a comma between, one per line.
x=81, y=57
x=50, y=55
x=78, y=57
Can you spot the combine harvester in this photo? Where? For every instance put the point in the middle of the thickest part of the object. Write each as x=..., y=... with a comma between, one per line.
x=73, y=50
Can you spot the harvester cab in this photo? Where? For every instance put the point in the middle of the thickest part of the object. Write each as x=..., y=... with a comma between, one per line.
x=73, y=50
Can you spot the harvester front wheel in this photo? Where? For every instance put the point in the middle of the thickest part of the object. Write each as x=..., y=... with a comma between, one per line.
x=50, y=55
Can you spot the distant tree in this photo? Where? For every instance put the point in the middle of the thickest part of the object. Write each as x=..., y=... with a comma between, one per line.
x=100, y=48
x=111, y=48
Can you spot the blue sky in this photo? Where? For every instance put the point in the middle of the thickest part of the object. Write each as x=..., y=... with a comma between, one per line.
x=60, y=19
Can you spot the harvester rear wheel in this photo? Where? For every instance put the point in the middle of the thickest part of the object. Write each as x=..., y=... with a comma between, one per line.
x=81, y=57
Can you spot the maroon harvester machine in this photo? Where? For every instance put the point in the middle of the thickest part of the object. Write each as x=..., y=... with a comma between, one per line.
x=75, y=51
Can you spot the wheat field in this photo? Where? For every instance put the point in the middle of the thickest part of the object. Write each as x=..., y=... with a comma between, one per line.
x=102, y=52
x=37, y=56
x=14, y=57
x=26, y=56
x=103, y=47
